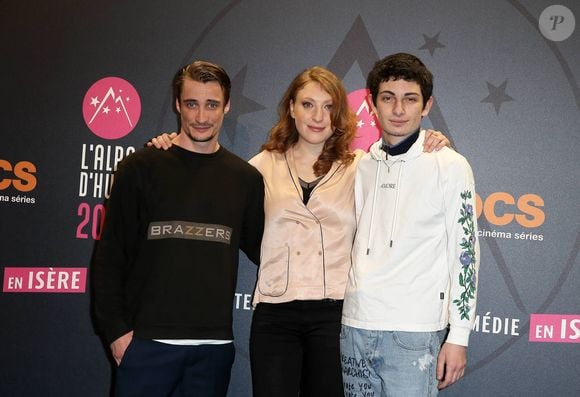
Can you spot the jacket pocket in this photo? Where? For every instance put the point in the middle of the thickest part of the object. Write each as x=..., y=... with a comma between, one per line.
x=274, y=268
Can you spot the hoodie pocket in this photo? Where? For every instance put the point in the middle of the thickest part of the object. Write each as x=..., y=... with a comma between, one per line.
x=274, y=268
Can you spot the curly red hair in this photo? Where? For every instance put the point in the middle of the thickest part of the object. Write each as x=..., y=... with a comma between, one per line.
x=336, y=148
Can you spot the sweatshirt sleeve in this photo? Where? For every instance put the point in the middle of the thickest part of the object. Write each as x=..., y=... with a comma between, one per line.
x=253, y=223
x=113, y=255
x=462, y=250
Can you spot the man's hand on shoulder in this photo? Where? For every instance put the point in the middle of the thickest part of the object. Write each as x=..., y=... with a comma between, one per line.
x=435, y=141
x=163, y=141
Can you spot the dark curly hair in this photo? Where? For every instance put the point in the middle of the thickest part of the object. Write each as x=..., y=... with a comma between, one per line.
x=400, y=66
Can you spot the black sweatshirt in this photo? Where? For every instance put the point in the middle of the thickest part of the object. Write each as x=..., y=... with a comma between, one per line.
x=166, y=265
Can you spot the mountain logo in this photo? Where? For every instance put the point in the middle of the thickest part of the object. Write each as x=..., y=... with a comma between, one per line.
x=368, y=131
x=111, y=108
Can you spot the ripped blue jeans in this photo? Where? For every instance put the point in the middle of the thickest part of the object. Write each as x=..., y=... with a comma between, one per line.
x=389, y=363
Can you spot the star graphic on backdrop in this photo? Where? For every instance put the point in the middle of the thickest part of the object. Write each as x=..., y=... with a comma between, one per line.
x=241, y=104
x=497, y=95
x=431, y=43
x=95, y=101
x=118, y=110
x=360, y=124
x=106, y=110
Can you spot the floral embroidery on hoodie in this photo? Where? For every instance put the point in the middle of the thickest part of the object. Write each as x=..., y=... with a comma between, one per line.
x=467, y=277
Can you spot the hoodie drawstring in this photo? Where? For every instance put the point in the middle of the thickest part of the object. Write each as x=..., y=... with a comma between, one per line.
x=377, y=175
x=395, y=208
x=395, y=212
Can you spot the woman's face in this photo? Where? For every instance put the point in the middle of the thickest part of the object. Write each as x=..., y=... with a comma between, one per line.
x=311, y=112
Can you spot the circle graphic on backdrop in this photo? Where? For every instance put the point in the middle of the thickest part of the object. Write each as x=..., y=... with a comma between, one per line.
x=367, y=130
x=557, y=23
x=111, y=108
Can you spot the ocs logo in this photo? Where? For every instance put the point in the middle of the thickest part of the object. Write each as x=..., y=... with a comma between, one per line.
x=20, y=175
x=111, y=108
x=499, y=208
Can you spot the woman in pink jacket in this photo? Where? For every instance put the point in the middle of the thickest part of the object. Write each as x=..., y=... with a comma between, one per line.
x=308, y=172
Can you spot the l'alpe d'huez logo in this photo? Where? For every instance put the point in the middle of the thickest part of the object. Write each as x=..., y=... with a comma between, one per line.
x=367, y=127
x=111, y=108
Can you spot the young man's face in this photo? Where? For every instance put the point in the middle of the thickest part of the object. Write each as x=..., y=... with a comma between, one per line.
x=399, y=109
x=202, y=109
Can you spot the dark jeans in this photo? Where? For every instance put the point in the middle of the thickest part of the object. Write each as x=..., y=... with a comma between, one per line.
x=155, y=369
x=295, y=349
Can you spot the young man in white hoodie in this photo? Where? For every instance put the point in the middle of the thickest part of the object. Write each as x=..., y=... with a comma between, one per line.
x=410, y=298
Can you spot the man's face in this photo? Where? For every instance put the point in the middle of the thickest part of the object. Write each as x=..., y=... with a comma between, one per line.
x=399, y=109
x=202, y=109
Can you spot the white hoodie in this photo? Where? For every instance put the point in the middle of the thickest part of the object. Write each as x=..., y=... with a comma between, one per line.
x=415, y=255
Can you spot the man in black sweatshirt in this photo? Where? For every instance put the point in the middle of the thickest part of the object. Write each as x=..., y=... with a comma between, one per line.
x=165, y=270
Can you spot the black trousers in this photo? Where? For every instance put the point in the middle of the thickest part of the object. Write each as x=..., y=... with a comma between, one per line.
x=295, y=349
